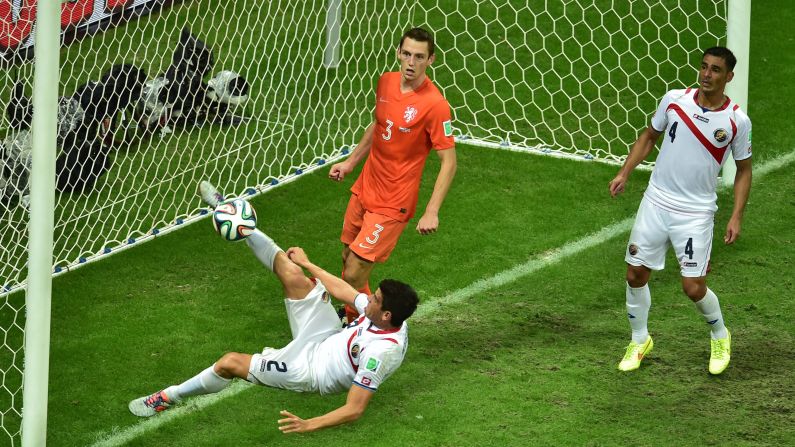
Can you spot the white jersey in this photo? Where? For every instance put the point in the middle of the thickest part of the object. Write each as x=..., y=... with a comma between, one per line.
x=360, y=354
x=696, y=143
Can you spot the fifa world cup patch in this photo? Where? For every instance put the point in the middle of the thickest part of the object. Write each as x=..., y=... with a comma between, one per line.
x=372, y=364
x=448, y=128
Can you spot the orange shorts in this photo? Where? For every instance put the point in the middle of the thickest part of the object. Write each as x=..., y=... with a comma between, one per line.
x=369, y=235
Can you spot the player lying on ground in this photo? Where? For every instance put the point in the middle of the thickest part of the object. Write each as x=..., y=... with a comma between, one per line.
x=322, y=357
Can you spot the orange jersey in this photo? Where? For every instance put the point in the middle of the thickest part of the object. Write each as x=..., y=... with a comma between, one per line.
x=407, y=127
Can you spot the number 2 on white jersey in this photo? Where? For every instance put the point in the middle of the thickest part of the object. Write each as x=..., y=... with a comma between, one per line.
x=386, y=136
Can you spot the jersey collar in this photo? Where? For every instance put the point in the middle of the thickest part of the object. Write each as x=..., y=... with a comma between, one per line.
x=705, y=110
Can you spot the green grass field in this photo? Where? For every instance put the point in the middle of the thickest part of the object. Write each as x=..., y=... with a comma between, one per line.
x=530, y=362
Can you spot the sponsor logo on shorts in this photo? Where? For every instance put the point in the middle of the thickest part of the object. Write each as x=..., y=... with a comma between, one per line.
x=355, y=350
x=633, y=249
x=690, y=264
x=366, y=247
x=372, y=364
x=721, y=135
x=405, y=129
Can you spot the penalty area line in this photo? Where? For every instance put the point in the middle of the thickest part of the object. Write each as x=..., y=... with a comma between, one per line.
x=117, y=437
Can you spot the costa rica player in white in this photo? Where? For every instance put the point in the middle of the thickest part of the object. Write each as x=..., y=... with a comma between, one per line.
x=700, y=127
x=322, y=357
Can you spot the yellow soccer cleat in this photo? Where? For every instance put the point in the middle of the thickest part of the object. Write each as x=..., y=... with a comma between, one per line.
x=635, y=353
x=721, y=350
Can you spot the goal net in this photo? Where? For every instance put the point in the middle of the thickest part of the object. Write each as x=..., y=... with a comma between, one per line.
x=157, y=95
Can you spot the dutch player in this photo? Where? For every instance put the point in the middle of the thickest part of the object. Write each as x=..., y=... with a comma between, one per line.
x=701, y=128
x=322, y=357
x=411, y=118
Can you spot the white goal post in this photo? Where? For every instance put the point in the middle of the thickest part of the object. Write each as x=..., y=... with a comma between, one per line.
x=284, y=88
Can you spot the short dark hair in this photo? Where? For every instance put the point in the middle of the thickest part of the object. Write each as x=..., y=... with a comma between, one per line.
x=399, y=299
x=420, y=35
x=723, y=53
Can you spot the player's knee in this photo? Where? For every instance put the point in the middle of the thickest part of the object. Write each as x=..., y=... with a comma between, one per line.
x=695, y=290
x=230, y=365
x=637, y=276
x=356, y=271
x=292, y=276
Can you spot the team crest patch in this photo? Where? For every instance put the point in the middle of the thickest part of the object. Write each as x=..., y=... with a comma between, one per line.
x=448, y=128
x=324, y=297
x=633, y=249
x=721, y=135
x=355, y=350
x=372, y=364
x=409, y=114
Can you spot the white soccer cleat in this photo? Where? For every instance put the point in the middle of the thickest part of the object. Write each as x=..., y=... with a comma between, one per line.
x=209, y=194
x=147, y=406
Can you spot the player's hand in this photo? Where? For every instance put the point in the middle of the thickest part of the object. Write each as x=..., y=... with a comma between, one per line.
x=297, y=255
x=616, y=185
x=339, y=171
x=428, y=223
x=292, y=423
x=732, y=231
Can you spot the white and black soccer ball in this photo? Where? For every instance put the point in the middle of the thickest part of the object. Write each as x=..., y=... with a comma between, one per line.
x=235, y=220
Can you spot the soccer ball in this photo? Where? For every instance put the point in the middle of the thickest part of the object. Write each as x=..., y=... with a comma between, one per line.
x=235, y=220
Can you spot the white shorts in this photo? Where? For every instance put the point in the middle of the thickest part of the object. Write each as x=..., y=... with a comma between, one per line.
x=312, y=320
x=656, y=228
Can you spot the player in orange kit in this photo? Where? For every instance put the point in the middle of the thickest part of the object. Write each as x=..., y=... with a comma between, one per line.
x=411, y=118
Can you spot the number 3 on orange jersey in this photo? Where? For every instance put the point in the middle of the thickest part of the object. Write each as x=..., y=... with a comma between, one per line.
x=386, y=136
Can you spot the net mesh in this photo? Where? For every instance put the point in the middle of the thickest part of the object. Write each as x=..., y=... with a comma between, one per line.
x=164, y=94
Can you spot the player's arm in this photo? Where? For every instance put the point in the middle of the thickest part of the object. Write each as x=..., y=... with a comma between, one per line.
x=355, y=404
x=640, y=150
x=337, y=287
x=340, y=170
x=429, y=221
x=742, y=189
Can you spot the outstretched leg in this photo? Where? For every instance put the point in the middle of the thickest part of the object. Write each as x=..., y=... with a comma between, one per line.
x=296, y=285
x=211, y=380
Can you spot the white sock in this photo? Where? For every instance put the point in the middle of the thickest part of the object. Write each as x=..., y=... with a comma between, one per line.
x=710, y=309
x=206, y=382
x=638, y=305
x=264, y=248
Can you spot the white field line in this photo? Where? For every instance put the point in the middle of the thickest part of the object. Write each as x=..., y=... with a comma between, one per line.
x=118, y=437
